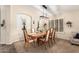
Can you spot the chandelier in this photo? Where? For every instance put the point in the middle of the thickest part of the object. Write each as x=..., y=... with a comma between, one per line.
x=44, y=16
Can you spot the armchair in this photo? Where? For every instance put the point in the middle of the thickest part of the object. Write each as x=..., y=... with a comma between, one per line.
x=75, y=39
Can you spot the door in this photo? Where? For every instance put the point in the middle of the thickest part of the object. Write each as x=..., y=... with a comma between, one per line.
x=20, y=19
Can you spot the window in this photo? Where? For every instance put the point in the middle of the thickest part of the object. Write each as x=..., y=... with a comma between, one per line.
x=61, y=25
x=57, y=24
x=51, y=23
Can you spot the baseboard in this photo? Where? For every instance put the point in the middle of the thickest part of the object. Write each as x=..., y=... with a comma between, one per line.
x=63, y=39
x=8, y=43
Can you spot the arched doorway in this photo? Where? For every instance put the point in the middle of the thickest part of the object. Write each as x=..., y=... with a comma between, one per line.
x=20, y=18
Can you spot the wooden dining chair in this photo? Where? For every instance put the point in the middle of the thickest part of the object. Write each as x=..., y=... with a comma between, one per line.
x=28, y=40
x=52, y=37
x=45, y=41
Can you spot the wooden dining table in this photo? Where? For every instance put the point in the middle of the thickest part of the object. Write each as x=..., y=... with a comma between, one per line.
x=37, y=35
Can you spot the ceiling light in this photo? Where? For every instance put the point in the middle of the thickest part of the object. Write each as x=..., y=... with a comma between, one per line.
x=44, y=16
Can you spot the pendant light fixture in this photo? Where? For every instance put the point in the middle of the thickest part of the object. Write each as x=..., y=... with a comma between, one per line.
x=44, y=16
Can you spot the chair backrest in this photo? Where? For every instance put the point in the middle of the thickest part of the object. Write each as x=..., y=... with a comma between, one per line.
x=53, y=34
x=47, y=35
x=51, y=30
x=25, y=35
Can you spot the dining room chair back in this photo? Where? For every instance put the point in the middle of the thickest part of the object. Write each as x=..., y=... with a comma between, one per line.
x=51, y=30
x=53, y=36
x=47, y=35
x=24, y=32
x=28, y=39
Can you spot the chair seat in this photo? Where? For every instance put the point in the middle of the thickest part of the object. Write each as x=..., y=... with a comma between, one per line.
x=42, y=39
x=31, y=41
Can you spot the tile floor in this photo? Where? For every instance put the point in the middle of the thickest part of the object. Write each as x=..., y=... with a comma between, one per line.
x=61, y=46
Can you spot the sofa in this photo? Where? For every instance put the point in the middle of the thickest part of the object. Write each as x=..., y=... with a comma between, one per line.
x=75, y=39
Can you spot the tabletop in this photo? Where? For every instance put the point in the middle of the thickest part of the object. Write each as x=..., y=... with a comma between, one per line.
x=38, y=34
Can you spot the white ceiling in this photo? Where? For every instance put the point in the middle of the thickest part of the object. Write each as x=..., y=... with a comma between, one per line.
x=57, y=9
x=69, y=7
x=39, y=7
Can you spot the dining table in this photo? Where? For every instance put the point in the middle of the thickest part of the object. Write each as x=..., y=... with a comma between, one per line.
x=37, y=35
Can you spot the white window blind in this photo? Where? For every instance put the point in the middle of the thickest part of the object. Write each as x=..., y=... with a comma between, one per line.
x=57, y=24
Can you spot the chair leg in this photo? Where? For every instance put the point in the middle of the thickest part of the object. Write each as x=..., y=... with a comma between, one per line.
x=35, y=43
x=52, y=41
x=45, y=44
x=49, y=43
x=26, y=45
x=38, y=42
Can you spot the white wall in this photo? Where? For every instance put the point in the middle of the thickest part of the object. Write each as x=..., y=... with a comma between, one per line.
x=5, y=31
x=74, y=18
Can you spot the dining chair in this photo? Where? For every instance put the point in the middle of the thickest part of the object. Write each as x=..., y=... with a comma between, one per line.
x=28, y=40
x=52, y=35
x=44, y=41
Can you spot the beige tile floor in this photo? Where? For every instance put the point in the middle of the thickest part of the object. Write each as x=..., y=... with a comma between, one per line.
x=7, y=48
x=61, y=46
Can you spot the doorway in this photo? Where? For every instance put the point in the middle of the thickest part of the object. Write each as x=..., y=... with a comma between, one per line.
x=20, y=18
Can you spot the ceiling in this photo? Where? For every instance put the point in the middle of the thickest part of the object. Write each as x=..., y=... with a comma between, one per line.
x=66, y=7
x=70, y=8
x=57, y=9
